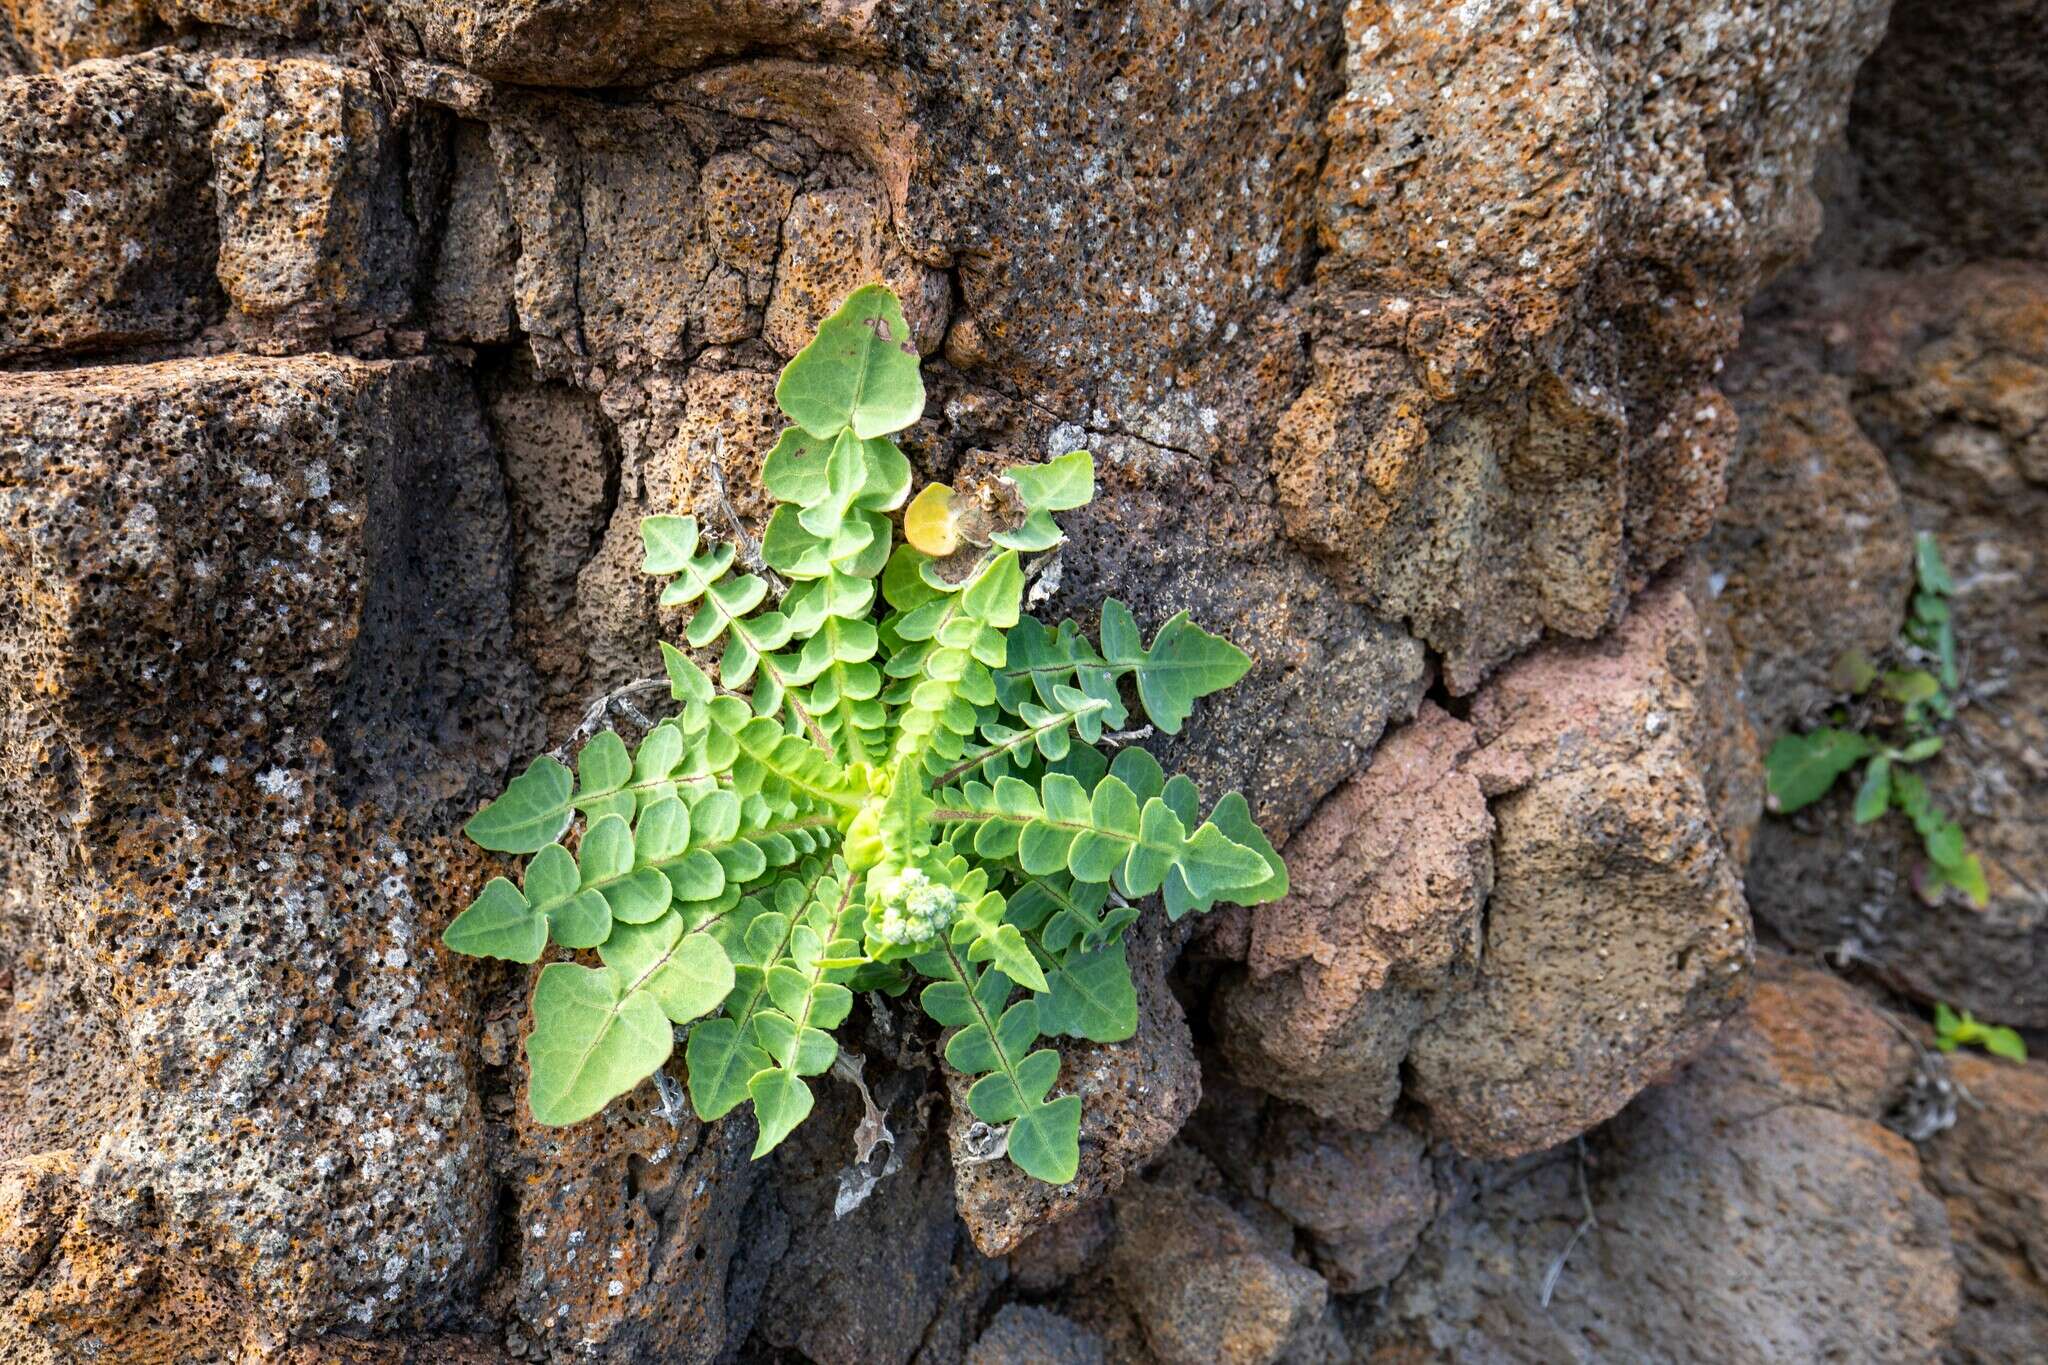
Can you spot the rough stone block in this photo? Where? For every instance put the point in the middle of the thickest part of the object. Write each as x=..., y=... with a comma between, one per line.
x=834, y=242
x=106, y=227
x=1135, y=1095
x=54, y=34
x=470, y=292
x=254, y=608
x=1949, y=374
x=1388, y=880
x=1616, y=937
x=283, y=18
x=312, y=193
x=1205, y=1282
x=1811, y=559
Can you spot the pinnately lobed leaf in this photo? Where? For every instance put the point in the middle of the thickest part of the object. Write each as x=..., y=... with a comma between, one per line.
x=879, y=772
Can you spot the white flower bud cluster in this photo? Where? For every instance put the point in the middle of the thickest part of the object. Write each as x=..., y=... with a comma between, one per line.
x=916, y=909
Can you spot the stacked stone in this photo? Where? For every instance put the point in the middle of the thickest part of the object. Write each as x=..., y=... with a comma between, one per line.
x=343, y=347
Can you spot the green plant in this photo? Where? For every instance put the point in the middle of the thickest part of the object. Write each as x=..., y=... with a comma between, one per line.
x=1897, y=729
x=1951, y=1032
x=889, y=774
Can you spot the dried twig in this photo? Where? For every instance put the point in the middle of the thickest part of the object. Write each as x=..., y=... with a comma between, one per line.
x=1928, y=1104
x=1044, y=575
x=858, y=1180
x=673, y=1106
x=744, y=545
x=983, y=1143
x=1586, y=1225
x=594, y=718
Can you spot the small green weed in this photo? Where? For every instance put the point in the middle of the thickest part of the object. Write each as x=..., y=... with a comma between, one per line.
x=1902, y=730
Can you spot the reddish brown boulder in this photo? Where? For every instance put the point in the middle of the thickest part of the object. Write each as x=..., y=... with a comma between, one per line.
x=1388, y=880
x=1616, y=937
x=1206, y=1283
x=1753, y=1209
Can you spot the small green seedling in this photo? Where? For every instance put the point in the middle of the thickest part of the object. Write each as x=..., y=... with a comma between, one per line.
x=1952, y=1032
x=1801, y=769
x=888, y=774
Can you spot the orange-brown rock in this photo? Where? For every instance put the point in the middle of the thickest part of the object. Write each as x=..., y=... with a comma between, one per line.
x=834, y=241
x=106, y=237
x=1204, y=1281
x=277, y=18
x=54, y=34
x=1538, y=246
x=311, y=191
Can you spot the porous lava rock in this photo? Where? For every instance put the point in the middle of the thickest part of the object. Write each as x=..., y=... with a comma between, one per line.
x=1616, y=936
x=1388, y=881
x=292, y=1140
x=1203, y=1281
x=1754, y=1208
x=343, y=347
x=1991, y=1170
x=1811, y=559
x=311, y=188
x=1540, y=230
x=101, y=169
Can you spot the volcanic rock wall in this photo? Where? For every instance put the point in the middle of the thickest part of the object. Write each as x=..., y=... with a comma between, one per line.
x=345, y=345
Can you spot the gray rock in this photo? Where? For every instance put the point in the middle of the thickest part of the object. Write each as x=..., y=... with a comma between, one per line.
x=1033, y=1336
x=1949, y=118
x=1950, y=377
x=1810, y=559
x=469, y=294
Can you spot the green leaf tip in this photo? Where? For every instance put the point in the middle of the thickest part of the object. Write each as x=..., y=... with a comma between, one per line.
x=877, y=771
x=1952, y=1030
x=860, y=372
